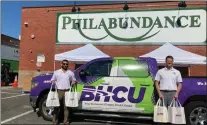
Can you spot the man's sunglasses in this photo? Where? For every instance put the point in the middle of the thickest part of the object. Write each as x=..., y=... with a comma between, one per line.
x=65, y=64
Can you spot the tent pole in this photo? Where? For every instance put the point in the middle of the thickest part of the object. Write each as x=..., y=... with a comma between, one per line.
x=54, y=65
x=73, y=64
x=189, y=71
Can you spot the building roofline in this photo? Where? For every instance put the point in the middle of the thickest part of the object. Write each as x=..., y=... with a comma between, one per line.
x=95, y=4
x=68, y=5
x=9, y=41
x=10, y=37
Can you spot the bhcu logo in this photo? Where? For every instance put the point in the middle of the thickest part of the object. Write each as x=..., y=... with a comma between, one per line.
x=90, y=93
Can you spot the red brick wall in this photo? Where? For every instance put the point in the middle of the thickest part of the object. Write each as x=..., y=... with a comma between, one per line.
x=42, y=23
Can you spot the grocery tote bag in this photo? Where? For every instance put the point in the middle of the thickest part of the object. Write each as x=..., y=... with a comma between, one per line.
x=72, y=98
x=52, y=98
x=176, y=113
x=160, y=112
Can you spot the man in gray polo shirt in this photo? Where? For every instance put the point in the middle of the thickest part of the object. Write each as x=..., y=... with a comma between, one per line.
x=168, y=82
x=63, y=79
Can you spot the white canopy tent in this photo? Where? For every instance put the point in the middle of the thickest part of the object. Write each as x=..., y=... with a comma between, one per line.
x=81, y=55
x=181, y=57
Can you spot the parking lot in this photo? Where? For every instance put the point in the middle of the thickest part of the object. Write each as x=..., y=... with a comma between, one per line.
x=15, y=109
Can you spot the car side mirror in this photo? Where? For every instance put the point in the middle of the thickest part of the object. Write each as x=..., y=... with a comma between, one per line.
x=82, y=73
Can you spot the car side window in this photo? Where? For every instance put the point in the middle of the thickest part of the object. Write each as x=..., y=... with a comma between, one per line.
x=100, y=68
x=132, y=68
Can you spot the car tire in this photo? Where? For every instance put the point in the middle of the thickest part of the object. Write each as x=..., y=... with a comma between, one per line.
x=191, y=108
x=41, y=108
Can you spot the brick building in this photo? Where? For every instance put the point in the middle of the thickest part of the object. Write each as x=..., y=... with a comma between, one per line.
x=40, y=27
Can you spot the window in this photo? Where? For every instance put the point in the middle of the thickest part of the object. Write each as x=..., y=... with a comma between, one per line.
x=132, y=68
x=100, y=68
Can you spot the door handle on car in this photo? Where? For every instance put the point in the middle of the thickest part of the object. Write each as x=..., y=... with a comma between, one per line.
x=105, y=83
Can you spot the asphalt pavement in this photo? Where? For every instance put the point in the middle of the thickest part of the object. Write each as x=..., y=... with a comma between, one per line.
x=16, y=109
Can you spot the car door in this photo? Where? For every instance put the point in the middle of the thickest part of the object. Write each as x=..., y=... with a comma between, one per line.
x=133, y=86
x=97, y=83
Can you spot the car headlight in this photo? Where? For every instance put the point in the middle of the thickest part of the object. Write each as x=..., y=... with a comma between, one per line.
x=34, y=84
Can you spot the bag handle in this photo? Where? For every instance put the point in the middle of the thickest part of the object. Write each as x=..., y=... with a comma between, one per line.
x=70, y=88
x=75, y=87
x=163, y=101
x=55, y=87
x=158, y=102
x=172, y=103
x=75, y=90
x=179, y=105
x=51, y=87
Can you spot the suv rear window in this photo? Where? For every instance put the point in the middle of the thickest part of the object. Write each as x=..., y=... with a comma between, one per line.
x=132, y=68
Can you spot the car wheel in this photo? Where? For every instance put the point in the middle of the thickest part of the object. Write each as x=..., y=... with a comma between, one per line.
x=196, y=113
x=45, y=112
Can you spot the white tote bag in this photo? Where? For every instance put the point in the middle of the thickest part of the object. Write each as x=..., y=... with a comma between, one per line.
x=160, y=112
x=72, y=98
x=52, y=98
x=176, y=113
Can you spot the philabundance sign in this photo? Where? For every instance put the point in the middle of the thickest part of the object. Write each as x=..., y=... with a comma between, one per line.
x=141, y=26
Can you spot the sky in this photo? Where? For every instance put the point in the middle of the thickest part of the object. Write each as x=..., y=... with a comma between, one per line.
x=11, y=13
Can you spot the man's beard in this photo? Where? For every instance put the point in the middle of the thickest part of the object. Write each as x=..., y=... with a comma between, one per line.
x=65, y=67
